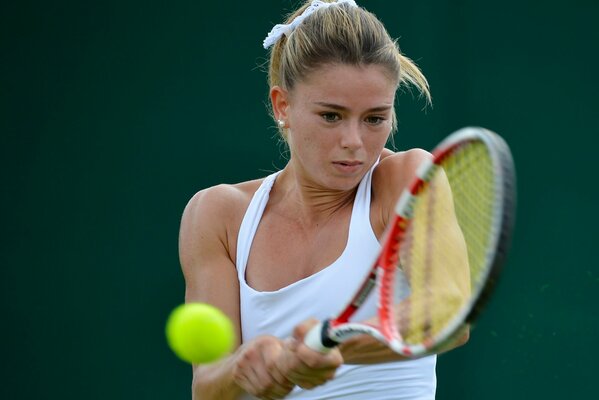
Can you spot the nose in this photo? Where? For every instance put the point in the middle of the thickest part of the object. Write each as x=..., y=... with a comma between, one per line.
x=351, y=137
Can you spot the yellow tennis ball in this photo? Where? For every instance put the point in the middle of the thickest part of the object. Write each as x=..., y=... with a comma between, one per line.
x=199, y=333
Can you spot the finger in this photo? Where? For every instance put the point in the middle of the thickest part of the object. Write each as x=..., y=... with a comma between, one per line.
x=261, y=382
x=312, y=379
x=249, y=372
x=301, y=330
x=312, y=368
x=273, y=361
x=281, y=385
x=271, y=370
x=308, y=377
x=278, y=392
x=319, y=361
x=290, y=344
x=247, y=380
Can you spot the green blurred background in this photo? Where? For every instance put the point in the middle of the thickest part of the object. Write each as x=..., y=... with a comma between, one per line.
x=114, y=113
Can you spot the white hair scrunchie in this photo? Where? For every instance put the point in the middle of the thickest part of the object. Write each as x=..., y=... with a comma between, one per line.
x=285, y=29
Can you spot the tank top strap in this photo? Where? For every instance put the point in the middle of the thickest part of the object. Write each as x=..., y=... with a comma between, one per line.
x=250, y=222
x=360, y=227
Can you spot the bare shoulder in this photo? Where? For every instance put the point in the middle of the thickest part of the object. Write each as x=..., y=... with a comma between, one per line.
x=397, y=169
x=212, y=215
x=393, y=173
x=218, y=201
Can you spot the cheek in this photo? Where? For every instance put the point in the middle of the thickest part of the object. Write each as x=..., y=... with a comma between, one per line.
x=309, y=137
x=300, y=143
x=377, y=140
x=312, y=146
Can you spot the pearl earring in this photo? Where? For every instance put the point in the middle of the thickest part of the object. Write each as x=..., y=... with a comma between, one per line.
x=281, y=123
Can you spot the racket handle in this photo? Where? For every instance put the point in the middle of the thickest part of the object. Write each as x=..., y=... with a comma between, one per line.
x=318, y=339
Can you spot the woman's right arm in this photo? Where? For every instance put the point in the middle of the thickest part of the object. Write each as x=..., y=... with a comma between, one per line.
x=211, y=277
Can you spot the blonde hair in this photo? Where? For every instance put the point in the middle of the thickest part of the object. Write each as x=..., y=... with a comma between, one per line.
x=340, y=34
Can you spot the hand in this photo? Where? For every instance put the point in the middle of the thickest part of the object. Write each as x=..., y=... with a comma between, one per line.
x=305, y=367
x=257, y=368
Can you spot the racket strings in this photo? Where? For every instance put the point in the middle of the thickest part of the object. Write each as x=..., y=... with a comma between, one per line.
x=474, y=197
x=444, y=252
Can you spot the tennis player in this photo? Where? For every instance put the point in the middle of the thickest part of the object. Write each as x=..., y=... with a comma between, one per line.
x=275, y=252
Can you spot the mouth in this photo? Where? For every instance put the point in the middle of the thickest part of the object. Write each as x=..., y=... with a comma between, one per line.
x=348, y=163
x=347, y=166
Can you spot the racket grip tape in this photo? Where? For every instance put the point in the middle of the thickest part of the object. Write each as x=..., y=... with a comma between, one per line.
x=318, y=339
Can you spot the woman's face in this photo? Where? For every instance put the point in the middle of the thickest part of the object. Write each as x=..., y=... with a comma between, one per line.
x=338, y=121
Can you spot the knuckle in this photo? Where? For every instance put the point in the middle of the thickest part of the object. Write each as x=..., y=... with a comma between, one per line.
x=247, y=355
x=242, y=363
x=267, y=388
x=270, y=365
x=312, y=363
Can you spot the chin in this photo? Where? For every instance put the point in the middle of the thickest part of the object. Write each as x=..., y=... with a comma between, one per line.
x=345, y=183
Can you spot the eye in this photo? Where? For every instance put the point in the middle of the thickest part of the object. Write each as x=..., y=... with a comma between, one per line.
x=330, y=116
x=375, y=119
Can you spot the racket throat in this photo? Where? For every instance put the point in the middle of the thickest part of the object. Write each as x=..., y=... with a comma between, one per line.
x=325, y=339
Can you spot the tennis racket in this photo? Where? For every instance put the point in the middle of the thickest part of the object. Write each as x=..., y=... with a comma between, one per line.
x=442, y=252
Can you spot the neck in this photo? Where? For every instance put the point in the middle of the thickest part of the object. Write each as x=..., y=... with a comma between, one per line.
x=306, y=200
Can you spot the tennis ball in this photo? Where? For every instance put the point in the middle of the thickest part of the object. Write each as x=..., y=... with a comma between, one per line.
x=199, y=333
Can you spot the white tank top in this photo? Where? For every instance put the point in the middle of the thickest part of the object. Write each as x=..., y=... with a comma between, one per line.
x=322, y=295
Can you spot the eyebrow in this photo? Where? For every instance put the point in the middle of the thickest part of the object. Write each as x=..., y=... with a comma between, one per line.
x=342, y=108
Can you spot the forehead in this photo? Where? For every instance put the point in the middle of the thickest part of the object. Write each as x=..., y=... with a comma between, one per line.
x=338, y=83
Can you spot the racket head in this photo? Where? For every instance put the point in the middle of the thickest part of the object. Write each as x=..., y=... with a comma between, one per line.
x=443, y=251
x=460, y=211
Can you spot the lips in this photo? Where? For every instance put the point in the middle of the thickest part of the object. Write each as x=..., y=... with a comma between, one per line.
x=348, y=166
x=348, y=163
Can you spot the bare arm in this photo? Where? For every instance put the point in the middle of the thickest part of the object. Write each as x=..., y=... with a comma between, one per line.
x=262, y=366
x=210, y=278
x=365, y=349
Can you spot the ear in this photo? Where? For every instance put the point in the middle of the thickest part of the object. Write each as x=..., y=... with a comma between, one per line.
x=279, y=99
